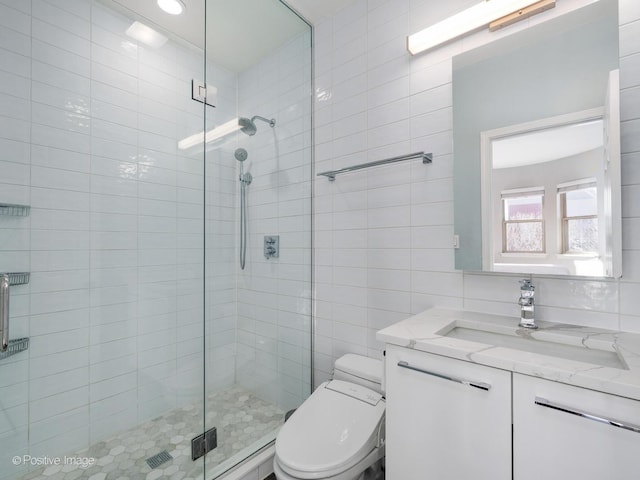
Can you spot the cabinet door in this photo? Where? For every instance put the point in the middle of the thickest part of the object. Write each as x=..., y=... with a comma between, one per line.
x=443, y=430
x=554, y=444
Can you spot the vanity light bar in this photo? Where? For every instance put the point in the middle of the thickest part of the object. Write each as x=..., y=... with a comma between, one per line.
x=469, y=20
x=213, y=134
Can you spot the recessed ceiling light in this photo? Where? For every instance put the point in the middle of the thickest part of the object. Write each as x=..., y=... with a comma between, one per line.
x=173, y=7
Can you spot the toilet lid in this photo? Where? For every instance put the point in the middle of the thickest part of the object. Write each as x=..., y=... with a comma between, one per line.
x=333, y=429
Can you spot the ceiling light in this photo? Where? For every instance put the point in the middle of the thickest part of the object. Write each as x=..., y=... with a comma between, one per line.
x=471, y=19
x=173, y=7
x=147, y=35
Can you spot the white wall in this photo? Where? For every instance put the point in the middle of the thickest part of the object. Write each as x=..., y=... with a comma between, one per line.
x=383, y=236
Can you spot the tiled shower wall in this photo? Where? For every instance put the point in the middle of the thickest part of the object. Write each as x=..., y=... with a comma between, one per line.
x=383, y=237
x=89, y=123
x=274, y=295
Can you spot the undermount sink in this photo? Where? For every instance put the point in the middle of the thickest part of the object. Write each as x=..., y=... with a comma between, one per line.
x=545, y=343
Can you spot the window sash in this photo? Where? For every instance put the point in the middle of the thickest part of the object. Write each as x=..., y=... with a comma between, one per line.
x=565, y=219
x=505, y=227
x=527, y=192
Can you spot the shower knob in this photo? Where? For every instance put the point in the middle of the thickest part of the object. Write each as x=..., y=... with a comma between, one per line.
x=271, y=246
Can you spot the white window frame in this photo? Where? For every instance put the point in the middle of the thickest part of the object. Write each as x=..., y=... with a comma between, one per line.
x=520, y=193
x=563, y=219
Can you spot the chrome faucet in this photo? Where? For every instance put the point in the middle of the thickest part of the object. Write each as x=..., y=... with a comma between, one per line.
x=527, y=292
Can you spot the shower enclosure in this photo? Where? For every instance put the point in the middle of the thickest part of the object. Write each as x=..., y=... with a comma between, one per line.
x=138, y=345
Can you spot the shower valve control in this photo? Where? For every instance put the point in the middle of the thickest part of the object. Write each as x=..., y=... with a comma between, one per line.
x=271, y=246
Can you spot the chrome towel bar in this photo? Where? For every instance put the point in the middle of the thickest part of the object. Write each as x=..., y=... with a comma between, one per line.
x=426, y=158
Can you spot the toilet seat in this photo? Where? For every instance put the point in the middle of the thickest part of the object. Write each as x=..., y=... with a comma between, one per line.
x=334, y=430
x=349, y=474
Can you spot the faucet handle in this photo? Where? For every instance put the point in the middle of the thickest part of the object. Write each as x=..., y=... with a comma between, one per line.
x=525, y=284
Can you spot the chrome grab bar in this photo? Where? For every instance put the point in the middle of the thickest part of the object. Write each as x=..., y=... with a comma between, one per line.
x=480, y=385
x=543, y=402
x=4, y=312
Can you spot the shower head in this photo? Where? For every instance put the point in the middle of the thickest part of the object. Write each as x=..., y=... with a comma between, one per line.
x=248, y=126
x=241, y=154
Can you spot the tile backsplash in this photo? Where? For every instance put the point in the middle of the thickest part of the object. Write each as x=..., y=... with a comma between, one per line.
x=383, y=237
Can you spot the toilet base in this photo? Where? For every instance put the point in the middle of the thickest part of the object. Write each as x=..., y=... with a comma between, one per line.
x=374, y=472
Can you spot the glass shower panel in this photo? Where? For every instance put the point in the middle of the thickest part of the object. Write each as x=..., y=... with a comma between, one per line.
x=101, y=233
x=258, y=187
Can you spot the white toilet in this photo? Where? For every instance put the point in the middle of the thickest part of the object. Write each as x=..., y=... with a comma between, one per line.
x=338, y=432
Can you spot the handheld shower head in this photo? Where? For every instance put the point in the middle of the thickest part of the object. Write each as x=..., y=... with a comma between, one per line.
x=241, y=154
x=248, y=126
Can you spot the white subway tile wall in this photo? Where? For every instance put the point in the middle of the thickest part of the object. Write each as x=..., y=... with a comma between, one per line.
x=383, y=237
x=89, y=125
x=274, y=295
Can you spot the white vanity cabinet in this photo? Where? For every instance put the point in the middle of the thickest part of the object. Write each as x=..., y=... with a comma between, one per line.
x=449, y=419
x=553, y=441
x=446, y=419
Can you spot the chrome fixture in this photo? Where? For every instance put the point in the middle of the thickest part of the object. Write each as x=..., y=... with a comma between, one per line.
x=426, y=158
x=241, y=154
x=208, y=94
x=249, y=126
x=14, y=210
x=14, y=347
x=271, y=246
x=18, y=278
x=4, y=312
x=527, y=292
x=543, y=402
x=245, y=180
x=471, y=383
x=10, y=347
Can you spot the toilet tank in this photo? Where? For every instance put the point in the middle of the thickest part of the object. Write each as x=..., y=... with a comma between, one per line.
x=361, y=370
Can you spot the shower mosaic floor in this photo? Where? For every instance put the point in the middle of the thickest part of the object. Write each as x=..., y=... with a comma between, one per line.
x=241, y=418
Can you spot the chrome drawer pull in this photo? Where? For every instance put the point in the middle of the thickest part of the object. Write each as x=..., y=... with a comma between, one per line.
x=543, y=402
x=480, y=385
x=4, y=312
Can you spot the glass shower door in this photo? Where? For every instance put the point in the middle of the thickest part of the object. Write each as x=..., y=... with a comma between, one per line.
x=258, y=225
x=101, y=235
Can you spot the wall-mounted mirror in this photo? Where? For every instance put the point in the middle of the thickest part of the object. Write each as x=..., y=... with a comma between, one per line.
x=536, y=148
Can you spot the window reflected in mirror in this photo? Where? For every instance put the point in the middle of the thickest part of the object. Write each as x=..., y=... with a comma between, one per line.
x=523, y=222
x=548, y=179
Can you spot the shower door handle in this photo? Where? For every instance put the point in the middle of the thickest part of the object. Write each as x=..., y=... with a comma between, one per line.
x=4, y=312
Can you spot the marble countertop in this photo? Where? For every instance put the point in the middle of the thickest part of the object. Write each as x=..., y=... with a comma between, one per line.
x=427, y=332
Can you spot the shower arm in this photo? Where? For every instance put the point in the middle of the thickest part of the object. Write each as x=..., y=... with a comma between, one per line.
x=270, y=121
